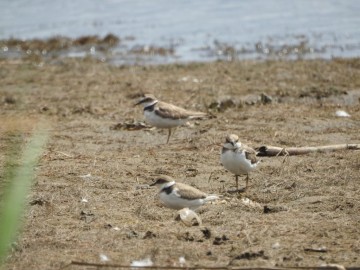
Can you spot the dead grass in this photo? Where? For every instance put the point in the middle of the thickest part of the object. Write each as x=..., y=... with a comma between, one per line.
x=312, y=200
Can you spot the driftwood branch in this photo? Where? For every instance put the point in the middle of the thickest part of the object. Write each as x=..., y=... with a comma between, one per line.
x=270, y=151
x=119, y=266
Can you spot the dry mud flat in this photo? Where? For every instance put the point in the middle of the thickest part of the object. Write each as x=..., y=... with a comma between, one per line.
x=90, y=196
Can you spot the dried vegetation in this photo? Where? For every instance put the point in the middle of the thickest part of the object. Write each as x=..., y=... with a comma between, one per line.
x=89, y=196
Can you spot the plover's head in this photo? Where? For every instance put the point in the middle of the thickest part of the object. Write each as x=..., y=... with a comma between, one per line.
x=147, y=100
x=232, y=142
x=163, y=181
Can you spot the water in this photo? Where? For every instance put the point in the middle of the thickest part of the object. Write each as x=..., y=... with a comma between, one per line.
x=196, y=30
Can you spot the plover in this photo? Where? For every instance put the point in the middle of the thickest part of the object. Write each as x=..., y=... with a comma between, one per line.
x=166, y=115
x=238, y=158
x=178, y=195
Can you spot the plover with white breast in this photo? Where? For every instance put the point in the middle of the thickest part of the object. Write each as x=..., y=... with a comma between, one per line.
x=238, y=158
x=165, y=115
x=178, y=195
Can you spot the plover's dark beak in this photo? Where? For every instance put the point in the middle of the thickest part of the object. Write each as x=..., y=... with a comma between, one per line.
x=153, y=184
x=137, y=103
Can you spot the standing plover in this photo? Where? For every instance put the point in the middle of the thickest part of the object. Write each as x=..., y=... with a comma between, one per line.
x=238, y=158
x=166, y=115
x=178, y=195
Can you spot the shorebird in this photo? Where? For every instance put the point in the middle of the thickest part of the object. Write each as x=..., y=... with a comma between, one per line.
x=166, y=115
x=178, y=195
x=238, y=158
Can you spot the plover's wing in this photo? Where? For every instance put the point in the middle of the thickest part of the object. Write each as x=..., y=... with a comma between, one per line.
x=167, y=110
x=188, y=192
x=250, y=154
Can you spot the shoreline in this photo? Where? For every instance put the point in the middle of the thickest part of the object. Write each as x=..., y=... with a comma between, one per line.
x=119, y=51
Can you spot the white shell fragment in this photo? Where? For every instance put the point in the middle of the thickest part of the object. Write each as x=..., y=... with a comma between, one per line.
x=276, y=245
x=187, y=216
x=182, y=261
x=104, y=258
x=142, y=263
x=341, y=113
x=188, y=78
x=86, y=176
x=250, y=203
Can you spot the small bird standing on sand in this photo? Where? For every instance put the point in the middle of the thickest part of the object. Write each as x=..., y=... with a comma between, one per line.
x=166, y=115
x=238, y=158
x=178, y=195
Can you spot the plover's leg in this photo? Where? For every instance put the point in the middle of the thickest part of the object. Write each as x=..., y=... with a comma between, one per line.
x=168, y=136
x=237, y=190
x=247, y=181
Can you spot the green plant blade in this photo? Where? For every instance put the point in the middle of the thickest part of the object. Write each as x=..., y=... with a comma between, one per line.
x=19, y=183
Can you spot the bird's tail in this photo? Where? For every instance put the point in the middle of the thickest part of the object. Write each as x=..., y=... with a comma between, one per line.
x=211, y=197
x=199, y=115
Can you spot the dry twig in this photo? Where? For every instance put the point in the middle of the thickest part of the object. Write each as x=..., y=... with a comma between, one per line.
x=119, y=266
x=271, y=151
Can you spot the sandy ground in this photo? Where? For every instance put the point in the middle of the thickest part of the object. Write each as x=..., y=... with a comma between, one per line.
x=90, y=195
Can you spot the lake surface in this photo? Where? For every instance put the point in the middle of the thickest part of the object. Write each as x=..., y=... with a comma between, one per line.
x=195, y=30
